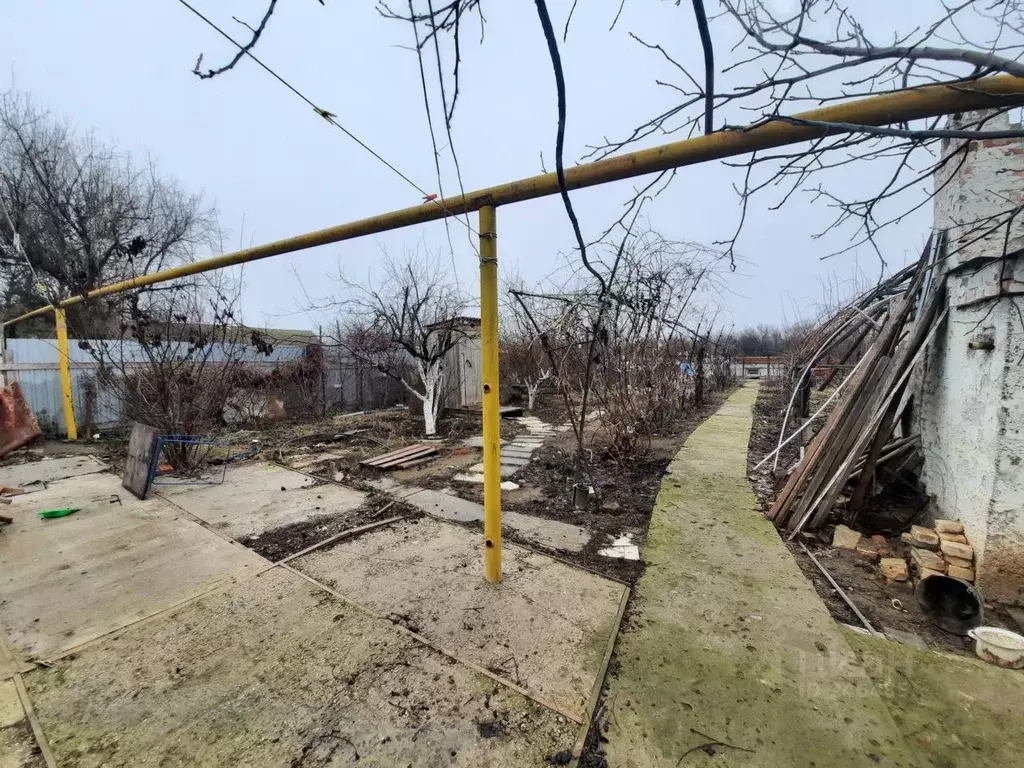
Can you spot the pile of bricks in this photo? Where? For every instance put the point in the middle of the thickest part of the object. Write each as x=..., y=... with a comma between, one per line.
x=943, y=549
x=940, y=550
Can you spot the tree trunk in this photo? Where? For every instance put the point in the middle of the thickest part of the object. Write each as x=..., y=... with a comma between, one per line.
x=531, y=394
x=433, y=385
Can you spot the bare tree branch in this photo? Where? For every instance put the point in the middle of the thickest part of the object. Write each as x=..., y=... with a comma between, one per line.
x=240, y=54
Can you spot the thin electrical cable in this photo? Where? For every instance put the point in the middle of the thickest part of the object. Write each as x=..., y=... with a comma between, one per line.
x=328, y=116
x=448, y=115
x=433, y=137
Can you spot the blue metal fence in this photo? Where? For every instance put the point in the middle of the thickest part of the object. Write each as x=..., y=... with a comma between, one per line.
x=34, y=363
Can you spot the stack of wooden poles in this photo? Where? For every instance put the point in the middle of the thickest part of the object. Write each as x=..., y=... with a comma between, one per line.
x=889, y=327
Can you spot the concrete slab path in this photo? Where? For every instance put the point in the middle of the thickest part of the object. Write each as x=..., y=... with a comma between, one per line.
x=33, y=475
x=731, y=642
x=550, y=534
x=514, y=455
x=545, y=628
x=67, y=580
x=274, y=671
x=260, y=497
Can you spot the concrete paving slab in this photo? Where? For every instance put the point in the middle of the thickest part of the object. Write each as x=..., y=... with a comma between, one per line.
x=546, y=626
x=731, y=639
x=261, y=497
x=275, y=671
x=32, y=475
x=67, y=580
x=478, y=478
x=11, y=712
x=952, y=710
x=446, y=506
x=516, y=453
x=550, y=534
x=17, y=743
x=18, y=747
x=303, y=460
x=507, y=470
x=514, y=461
x=393, y=487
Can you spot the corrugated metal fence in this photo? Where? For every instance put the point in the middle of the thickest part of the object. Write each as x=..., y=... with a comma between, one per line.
x=34, y=363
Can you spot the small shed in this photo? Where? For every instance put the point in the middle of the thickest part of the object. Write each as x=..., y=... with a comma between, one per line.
x=462, y=366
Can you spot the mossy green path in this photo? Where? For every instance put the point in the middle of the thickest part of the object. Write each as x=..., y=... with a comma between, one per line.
x=730, y=643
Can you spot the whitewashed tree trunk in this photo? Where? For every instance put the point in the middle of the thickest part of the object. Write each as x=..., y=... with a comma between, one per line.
x=432, y=378
x=531, y=393
x=533, y=387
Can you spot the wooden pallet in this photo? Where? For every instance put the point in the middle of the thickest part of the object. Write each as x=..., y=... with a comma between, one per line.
x=403, y=457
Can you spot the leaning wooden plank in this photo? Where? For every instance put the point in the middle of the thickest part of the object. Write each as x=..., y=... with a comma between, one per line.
x=908, y=349
x=141, y=447
x=890, y=449
x=812, y=417
x=862, y=420
x=857, y=417
x=783, y=502
x=811, y=469
x=781, y=510
x=895, y=454
x=833, y=490
x=860, y=398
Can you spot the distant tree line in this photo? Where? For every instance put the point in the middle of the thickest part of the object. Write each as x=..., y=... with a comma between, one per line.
x=767, y=339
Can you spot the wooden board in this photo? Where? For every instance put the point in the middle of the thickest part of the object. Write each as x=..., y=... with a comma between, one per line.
x=395, y=458
x=141, y=446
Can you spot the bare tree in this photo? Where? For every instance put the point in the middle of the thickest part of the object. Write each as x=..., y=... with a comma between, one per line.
x=175, y=357
x=405, y=325
x=524, y=363
x=624, y=346
x=84, y=214
x=784, y=62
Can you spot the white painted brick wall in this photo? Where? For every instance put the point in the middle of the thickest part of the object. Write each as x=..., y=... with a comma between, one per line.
x=970, y=402
x=975, y=192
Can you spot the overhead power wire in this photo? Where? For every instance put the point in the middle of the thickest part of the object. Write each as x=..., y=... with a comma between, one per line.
x=330, y=117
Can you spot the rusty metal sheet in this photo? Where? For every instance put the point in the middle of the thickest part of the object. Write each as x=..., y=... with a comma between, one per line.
x=18, y=425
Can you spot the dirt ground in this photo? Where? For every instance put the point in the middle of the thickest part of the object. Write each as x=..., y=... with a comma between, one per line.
x=279, y=543
x=887, y=605
x=627, y=489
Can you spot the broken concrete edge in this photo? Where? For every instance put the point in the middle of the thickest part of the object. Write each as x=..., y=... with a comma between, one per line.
x=26, y=703
x=506, y=485
x=536, y=697
x=531, y=546
x=346, y=534
x=602, y=673
x=101, y=637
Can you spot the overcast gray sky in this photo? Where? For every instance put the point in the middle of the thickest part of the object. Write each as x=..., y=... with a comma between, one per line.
x=123, y=69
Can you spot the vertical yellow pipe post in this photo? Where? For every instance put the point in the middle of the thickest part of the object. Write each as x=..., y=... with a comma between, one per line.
x=492, y=402
x=65, y=373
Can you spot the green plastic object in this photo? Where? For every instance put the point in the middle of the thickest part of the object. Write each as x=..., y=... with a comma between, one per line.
x=51, y=513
